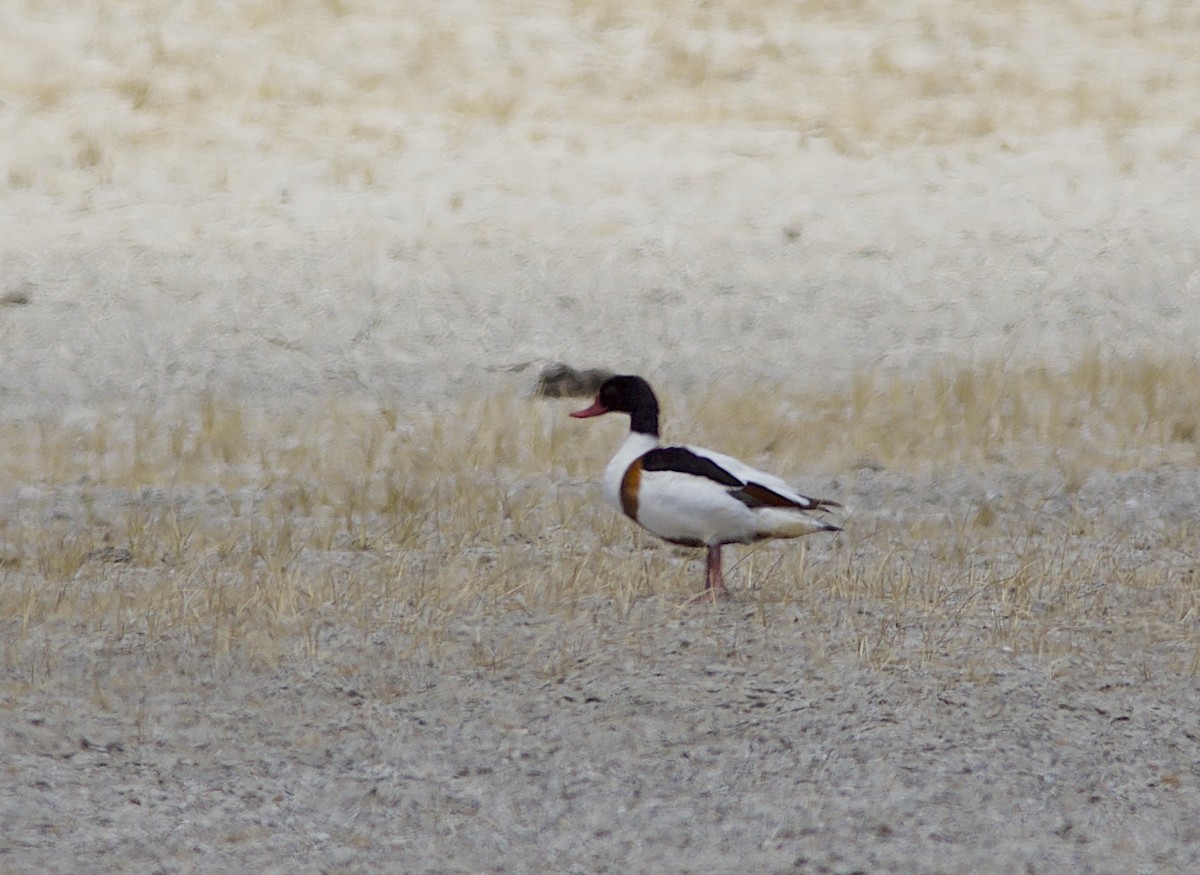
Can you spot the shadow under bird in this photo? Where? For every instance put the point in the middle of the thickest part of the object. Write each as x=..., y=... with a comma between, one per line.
x=692, y=496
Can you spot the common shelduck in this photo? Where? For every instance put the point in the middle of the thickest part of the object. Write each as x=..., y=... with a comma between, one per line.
x=692, y=496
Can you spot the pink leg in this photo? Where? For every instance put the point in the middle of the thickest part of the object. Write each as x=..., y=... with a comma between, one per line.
x=714, y=581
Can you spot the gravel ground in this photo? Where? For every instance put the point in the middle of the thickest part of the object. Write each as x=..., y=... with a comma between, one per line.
x=842, y=730
x=289, y=220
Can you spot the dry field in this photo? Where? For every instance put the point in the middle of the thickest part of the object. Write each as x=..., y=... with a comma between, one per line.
x=297, y=574
x=347, y=640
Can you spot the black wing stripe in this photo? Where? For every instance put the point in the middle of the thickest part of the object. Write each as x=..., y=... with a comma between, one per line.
x=755, y=495
x=684, y=461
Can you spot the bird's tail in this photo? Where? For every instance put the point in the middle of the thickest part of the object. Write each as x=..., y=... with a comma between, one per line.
x=789, y=524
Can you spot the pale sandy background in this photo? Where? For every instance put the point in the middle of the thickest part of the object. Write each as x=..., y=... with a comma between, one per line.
x=283, y=203
x=310, y=196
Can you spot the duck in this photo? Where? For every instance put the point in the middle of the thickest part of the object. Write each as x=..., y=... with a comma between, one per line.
x=692, y=496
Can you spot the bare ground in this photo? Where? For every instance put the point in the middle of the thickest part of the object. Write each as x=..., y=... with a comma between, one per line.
x=215, y=659
x=868, y=711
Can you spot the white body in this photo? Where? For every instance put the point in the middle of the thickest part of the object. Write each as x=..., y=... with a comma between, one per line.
x=692, y=509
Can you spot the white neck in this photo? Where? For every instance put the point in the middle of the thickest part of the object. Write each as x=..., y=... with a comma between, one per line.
x=634, y=446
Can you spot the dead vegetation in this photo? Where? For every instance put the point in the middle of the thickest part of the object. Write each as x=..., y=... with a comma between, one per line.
x=859, y=76
x=342, y=632
x=991, y=510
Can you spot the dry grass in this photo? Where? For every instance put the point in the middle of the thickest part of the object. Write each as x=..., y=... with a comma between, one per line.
x=1105, y=413
x=215, y=89
x=212, y=529
x=340, y=624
